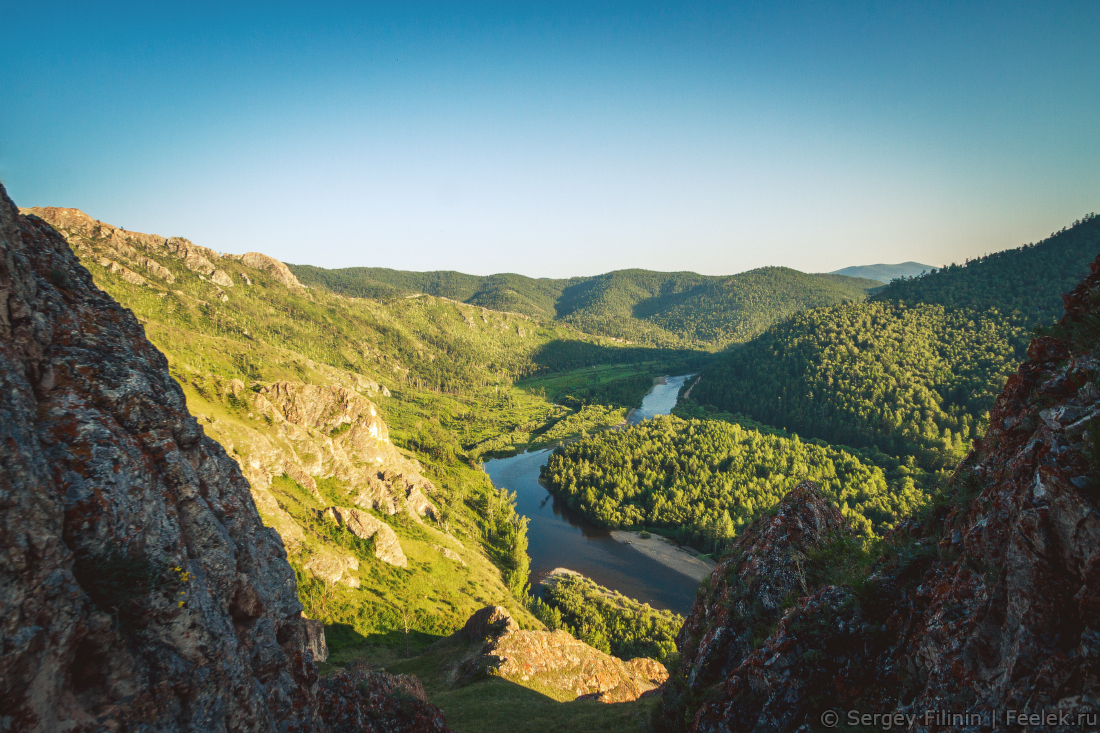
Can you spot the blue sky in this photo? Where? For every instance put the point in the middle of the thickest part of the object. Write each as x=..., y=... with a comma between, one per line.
x=556, y=139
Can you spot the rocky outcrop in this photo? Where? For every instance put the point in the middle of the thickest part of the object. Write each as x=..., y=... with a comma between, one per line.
x=333, y=565
x=332, y=432
x=554, y=661
x=128, y=275
x=387, y=548
x=277, y=270
x=990, y=604
x=221, y=277
x=749, y=591
x=488, y=623
x=137, y=249
x=109, y=486
x=139, y=589
x=195, y=258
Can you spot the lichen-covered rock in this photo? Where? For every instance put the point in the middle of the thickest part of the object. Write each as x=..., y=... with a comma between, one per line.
x=139, y=589
x=553, y=660
x=387, y=547
x=748, y=589
x=315, y=639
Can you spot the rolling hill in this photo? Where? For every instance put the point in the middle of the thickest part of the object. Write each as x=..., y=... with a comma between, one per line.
x=665, y=309
x=913, y=371
x=1029, y=280
x=885, y=273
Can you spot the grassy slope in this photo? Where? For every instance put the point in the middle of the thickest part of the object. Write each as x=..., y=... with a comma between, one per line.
x=452, y=369
x=672, y=310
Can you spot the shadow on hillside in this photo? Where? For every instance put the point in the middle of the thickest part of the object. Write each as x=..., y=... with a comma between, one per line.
x=345, y=643
x=562, y=356
x=497, y=704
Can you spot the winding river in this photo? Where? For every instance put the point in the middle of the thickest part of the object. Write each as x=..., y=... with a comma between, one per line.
x=558, y=537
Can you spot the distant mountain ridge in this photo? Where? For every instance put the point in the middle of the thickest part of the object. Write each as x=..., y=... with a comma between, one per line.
x=885, y=273
x=669, y=309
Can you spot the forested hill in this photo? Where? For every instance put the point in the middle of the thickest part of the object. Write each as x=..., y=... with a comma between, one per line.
x=885, y=273
x=670, y=309
x=909, y=380
x=503, y=292
x=1029, y=279
x=914, y=371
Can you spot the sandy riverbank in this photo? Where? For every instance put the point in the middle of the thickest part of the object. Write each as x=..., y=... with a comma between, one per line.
x=667, y=554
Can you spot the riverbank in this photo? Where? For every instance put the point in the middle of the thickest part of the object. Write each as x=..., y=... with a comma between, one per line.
x=668, y=554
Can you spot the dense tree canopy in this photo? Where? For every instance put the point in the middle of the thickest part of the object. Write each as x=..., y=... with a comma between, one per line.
x=1028, y=280
x=666, y=309
x=607, y=620
x=909, y=380
x=710, y=478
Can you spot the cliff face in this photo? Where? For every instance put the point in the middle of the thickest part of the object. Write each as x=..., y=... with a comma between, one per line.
x=990, y=604
x=138, y=586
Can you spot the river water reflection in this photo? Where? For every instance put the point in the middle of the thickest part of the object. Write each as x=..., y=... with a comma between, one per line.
x=558, y=537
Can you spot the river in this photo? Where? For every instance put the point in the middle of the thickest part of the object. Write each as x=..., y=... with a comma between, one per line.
x=559, y=537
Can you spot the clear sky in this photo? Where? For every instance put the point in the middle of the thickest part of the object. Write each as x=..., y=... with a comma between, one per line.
x=559, y=138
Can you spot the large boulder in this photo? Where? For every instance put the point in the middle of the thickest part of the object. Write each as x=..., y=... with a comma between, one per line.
x=552, y=661
x=490, y=622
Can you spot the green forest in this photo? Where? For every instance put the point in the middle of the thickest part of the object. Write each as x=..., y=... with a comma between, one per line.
x=671, y=310
x=705, y=479
x=914, y=371
x=1027, y=280
x=908, y=380
x=607, y=620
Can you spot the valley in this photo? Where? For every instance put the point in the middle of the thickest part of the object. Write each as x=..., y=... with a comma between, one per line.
x=560, y=537
x=454, y=467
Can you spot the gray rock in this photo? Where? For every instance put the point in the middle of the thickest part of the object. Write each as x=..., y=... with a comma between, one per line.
x=387, y=548
x=315, y=639
x=103, y=467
